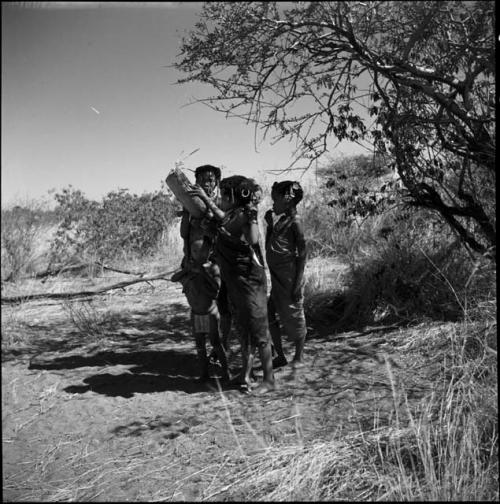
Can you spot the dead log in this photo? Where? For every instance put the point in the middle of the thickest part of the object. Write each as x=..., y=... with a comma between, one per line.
x=75, y=267
x=72, y=295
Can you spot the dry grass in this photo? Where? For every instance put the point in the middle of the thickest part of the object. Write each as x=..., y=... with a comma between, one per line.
x=442, y=448
x=87, y=319
x=26, y=235
x=91, y=473
x=323, y=274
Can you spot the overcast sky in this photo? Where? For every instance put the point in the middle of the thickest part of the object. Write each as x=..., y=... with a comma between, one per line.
x=88, y=100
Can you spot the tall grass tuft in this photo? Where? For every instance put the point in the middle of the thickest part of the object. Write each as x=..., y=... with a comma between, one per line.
x=86, y=318
x=450, y=450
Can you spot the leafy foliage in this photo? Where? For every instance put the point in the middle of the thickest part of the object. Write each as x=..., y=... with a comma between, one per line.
x=362, y=186
x=357, y=203
x=415, y=80
x=122, y=223
x=406, y=264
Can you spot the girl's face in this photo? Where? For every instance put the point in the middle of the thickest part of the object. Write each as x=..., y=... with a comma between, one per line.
x=208, y=182
x=281, y=202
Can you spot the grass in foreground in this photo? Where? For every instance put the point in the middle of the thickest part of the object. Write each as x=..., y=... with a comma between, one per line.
x=443, y=448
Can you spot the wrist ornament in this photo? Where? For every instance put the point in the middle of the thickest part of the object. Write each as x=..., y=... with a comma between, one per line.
x=251, y=213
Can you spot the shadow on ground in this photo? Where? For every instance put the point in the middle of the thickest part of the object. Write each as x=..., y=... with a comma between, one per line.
x=130, y=330
x=169, y=428
x=149, y=372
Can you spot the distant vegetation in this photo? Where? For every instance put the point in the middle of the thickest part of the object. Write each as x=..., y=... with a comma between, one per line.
x=121, y=224
x=23, y=228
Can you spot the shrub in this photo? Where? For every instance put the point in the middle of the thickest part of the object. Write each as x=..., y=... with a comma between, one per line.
x=121, y=224
x=347, y=210
x=23, y=229
x=406, y=264
x=417, y=271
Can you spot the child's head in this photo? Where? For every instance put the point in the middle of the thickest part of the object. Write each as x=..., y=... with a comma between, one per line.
x=286, y=194
x=239, y=191
x=208, y=177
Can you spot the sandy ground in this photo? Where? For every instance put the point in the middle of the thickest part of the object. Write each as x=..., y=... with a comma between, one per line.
x=117, y=414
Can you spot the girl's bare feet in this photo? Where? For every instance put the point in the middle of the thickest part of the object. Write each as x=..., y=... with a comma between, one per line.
x=297, y=364
x=264, y=387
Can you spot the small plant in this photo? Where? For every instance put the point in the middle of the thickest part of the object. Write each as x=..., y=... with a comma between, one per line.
x=86, y=318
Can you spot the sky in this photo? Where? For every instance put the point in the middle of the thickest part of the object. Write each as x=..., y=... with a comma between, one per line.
x=89, y=100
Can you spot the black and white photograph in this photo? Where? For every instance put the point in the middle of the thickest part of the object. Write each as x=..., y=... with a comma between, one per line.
x=248, y=251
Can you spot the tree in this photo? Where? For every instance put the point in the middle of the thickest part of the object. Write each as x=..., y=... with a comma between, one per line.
x=413, y=79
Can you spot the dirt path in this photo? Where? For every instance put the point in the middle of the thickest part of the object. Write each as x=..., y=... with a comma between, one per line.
x=119, y=416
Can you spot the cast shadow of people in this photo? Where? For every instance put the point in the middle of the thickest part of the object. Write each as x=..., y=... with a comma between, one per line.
x=148, y=371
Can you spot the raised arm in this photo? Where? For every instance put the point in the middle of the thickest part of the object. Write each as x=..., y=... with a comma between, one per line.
x=216, y=211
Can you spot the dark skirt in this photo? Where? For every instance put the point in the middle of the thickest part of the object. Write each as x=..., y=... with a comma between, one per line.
x=246, y=287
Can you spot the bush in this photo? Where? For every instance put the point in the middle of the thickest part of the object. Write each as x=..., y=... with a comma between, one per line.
x=416, y=272
x=120, y=225
x=23, y=230
x=348, y=210
x=406, y=264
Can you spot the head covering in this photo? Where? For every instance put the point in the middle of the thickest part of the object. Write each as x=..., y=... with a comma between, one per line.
x=207, y=167
x=288, y=187
x=243, y=190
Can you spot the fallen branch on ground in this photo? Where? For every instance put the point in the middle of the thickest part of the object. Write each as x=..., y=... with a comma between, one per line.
x=75, y=267
x=69, y=295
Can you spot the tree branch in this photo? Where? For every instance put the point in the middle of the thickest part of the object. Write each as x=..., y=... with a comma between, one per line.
x=71, y=295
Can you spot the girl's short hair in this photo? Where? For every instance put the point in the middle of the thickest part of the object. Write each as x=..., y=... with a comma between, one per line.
x=291, y=187
x=243, y=190
x=209, y=168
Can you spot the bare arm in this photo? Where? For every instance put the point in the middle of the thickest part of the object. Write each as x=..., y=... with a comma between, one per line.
x=217, y=212
x=184, y=230
x=251, y=233
x=251, y=227
x=268, y=217
x=300, y=260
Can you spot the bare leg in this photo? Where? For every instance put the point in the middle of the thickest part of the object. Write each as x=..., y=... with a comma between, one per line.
x=218, y=348
x=297, y=362
x=265, y=355
x=249, y=367
x=221, y=355
x=201, y=351
x=299, y=348
x=224, y=328
x=225, y=310
x=245, y=362
x=275, y=330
